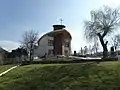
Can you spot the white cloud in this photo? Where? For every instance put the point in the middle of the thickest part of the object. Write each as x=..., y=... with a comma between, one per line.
x=112, y=3
x=9, y=45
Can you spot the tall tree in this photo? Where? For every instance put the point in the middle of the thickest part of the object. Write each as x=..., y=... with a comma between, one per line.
x=103, y=22
x=29, y=41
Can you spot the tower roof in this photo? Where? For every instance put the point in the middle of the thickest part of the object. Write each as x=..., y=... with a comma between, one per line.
x=57, y=27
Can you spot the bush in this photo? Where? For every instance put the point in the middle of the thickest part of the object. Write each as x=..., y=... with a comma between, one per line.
x=68, y=61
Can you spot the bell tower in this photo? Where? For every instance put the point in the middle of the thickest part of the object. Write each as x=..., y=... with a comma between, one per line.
x=58, y=40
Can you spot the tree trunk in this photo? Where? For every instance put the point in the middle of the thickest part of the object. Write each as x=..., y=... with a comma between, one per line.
x=105, y=51
x=30, y=57
x=31, y=54
x=104, y=45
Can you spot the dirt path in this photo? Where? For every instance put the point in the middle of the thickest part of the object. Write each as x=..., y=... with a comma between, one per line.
x=8, y=70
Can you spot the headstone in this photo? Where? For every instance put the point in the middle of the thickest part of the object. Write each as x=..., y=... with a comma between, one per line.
x=75, y=54
x=112, y=51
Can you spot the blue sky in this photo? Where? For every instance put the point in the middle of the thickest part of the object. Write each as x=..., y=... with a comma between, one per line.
x=17, y=16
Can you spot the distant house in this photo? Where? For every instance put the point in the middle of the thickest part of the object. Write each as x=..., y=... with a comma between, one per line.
x=2, y=55
x=17, y=55
x=56, y=42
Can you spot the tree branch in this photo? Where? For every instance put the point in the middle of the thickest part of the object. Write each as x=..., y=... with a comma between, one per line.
x=106, y=42
x=99, y=35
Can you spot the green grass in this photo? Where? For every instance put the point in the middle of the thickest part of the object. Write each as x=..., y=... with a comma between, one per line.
x=86, y=76
x=5, y=67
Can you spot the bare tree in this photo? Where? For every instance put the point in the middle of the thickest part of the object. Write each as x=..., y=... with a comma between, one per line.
x=93, y=50
x=90, y=49
x=29, y=41
x=85, y=50
x=103, y=22
x=116, y=41
x=96, y=46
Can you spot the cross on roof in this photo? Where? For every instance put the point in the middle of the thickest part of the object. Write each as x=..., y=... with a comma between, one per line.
x=61, y=21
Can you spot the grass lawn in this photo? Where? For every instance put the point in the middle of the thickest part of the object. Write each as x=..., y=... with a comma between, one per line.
x=5, y=67
x=82, y=76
